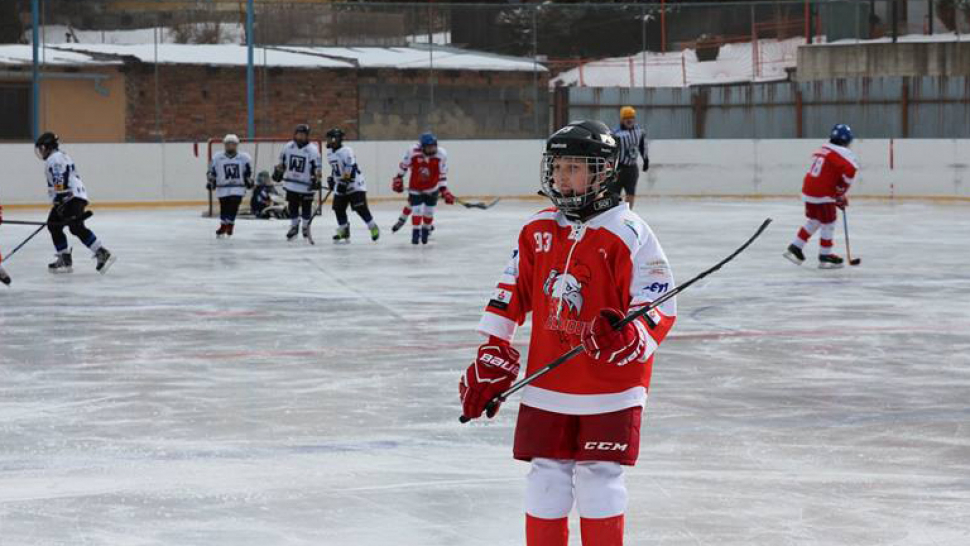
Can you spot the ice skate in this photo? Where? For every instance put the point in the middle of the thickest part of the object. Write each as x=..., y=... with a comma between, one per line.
x=105, y=260
x=794, y=255
x=342, y=236
x=4, y=277
x=830, y=261
x=375, y=233
x=63, y=264
x=293, y=232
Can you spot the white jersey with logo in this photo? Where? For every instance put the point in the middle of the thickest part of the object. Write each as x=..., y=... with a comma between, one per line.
x=63, y=181
x=231, y=173
x=301, y=166
x=346, y=174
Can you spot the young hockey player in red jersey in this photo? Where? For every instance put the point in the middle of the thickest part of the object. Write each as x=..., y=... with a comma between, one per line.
x=833, y=170
x=429, y=178
x=578, y=268
x=4, y=277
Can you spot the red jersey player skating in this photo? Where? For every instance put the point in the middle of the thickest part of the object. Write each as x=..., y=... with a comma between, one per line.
x=833, y=170
x=428, y=164
x=577, y=268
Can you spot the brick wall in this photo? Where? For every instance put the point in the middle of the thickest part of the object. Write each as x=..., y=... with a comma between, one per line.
x=199, y=102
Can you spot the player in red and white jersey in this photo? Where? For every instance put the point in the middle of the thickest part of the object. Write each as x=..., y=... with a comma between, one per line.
x=428, y=164
x=834, y=168
x=577, y=268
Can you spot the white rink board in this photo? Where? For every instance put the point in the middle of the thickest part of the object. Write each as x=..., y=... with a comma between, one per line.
x=252, y=392
x=160, y=173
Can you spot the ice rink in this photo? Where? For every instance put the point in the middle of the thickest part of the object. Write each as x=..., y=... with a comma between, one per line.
x=258, y=392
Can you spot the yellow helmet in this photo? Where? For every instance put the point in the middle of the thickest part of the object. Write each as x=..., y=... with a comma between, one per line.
x=627, y=112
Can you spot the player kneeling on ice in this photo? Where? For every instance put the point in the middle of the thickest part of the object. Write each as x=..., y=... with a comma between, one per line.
x=266, y=201
x=230, y=175
x=347, y=183
x=4, y=277
x=429, y=178
x=824, y=189
x=299, y=170
x=67, y=194
x=578, y=268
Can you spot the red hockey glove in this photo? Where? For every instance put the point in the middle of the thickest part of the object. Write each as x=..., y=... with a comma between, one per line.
x=398, y=184
x=492, y=373
x=447, y=196
x=842, y=201
x=618, y=347
x=1, y=214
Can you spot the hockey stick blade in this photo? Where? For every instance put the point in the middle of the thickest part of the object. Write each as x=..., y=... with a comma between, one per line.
x=855, y=261
x=479, y=204
x=492, y=407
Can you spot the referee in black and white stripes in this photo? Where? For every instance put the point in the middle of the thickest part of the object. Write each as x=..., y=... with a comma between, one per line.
x=632, y=140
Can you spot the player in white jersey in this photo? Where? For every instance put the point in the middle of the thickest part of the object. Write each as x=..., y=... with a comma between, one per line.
x=230, y=175
x=347, y=183
x=299, y=170
x=69, y=197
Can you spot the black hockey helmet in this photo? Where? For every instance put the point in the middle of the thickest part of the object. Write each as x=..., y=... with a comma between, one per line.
x=47, y=140
x=335, y=138
x=590, y=143
x=305, y=130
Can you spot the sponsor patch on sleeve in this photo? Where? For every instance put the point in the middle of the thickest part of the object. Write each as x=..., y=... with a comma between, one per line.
x=500, y=299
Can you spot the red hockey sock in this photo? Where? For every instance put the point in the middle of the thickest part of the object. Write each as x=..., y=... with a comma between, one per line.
x=406, y=211
x=416, y=220
x=546, y=532
x=602, y=532
x=428, y=220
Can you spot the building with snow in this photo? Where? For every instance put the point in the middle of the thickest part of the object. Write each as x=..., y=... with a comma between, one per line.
x=169, y=92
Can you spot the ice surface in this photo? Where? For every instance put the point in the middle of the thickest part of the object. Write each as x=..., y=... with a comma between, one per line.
x=254, y=392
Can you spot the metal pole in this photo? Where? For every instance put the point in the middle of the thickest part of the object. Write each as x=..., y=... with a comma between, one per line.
x=895, y=16
x=35, y=77
x=250, y=73
x=663, y=26
x=929, y=7
x=430, y=63
x=535, y=72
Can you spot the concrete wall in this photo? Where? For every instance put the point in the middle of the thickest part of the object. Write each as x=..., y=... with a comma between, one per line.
x=397, y=104
x=171, y=173
x=821, y=62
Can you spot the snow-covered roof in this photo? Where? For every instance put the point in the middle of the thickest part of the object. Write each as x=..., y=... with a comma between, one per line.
x=419, y=58
x=402, y=58
x=16, y=54
x=208, y=54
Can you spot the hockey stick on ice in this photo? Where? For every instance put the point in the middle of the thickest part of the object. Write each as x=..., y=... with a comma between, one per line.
x=86, y=215
x=313, y=216
x=492, y=405
x=848, y=248
x=478, y=204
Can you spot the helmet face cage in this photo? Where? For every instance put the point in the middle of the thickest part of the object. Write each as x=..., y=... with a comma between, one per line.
x=600, y=172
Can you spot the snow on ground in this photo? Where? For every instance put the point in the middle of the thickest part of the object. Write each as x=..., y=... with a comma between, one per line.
x=254, y=392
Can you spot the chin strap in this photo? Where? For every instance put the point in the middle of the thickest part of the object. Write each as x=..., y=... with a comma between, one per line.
x=601, y=204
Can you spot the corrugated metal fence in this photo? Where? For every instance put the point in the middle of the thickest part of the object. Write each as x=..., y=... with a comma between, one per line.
x=904, y=107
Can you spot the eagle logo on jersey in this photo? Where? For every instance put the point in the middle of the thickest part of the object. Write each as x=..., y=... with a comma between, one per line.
x=565, y=292
x=567, y=287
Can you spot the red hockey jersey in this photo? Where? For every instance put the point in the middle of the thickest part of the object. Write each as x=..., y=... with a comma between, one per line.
x=833, y=170
x=564, y=273
x=428, y=172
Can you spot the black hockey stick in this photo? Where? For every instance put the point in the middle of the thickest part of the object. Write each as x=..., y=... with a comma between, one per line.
x=87, y=214
x=848, y=248
x=478, y=204
x=492, y=405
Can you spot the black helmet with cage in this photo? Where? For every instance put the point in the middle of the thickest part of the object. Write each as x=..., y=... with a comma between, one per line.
x=589, y=147
x=302, y=129
x=335, y=138
x=46, y=144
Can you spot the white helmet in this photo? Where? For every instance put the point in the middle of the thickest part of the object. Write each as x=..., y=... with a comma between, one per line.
x=230, y=138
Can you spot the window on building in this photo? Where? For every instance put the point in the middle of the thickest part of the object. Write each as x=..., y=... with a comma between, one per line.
x=14, y=111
